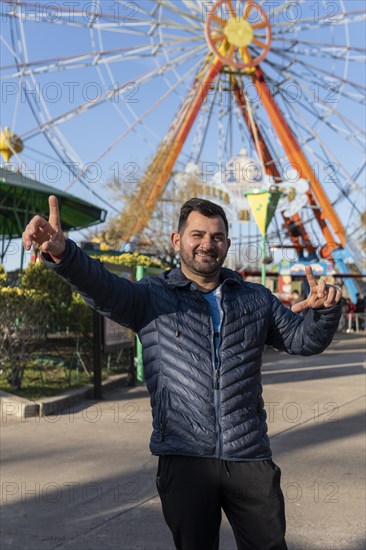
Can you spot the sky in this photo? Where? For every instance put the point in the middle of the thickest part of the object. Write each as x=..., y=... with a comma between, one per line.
x=77, y=137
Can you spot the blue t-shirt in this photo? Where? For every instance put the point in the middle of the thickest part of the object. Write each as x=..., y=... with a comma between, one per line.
x=214, y=301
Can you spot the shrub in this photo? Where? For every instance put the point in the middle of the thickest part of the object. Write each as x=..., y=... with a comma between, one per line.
x=23, y=322
x=57, y=293
x=131, y=260
x=80, y=316
x=3, y=276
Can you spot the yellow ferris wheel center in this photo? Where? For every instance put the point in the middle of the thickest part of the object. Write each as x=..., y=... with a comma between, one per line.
x=239, y=37
x=238, y=33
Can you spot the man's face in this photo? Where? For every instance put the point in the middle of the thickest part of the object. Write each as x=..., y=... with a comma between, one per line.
x=203, y=245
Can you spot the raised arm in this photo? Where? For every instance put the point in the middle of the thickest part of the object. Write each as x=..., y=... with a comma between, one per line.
x=124, y=301
x=310, y=333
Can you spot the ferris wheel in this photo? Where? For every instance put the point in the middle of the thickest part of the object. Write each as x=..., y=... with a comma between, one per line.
x=139, y=90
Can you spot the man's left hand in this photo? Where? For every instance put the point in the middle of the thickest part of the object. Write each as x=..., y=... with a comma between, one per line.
x=320, y=295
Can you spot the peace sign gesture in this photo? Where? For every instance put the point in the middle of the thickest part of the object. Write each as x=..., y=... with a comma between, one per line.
x=46, y=235
x=320, y=295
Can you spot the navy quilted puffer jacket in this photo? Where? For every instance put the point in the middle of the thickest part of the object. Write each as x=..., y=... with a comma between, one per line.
x=197, y=410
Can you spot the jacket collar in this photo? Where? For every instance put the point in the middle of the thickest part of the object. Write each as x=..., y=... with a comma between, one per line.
x=175, y=278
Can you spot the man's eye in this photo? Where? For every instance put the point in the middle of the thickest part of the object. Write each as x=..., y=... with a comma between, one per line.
x=218, y=239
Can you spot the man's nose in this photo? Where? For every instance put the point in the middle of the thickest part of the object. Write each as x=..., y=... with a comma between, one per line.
x=207, y=242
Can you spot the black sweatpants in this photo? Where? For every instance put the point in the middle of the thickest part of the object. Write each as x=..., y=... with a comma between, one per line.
x=194, y=490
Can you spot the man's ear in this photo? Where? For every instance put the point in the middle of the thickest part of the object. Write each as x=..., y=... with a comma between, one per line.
x=175, y=240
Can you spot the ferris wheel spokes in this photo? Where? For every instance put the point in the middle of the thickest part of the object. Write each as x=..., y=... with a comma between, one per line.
x=310, y=23
x=315, y=70
x=158, y=172
x=299, y=162
x=59, y=15
x=137, y=121
x=330, y=158
x=79, y=61
x=272, y=170
x=107, y=95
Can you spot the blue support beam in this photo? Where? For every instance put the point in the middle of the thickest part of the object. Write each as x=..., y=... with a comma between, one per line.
x=339, y=257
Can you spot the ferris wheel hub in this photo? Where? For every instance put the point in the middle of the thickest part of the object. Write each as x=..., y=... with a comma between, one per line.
x=239, y=34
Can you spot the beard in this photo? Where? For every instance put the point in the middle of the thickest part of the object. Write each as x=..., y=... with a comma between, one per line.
x=202, y=262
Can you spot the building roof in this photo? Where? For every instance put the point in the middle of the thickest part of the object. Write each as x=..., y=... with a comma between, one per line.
x=21, y=198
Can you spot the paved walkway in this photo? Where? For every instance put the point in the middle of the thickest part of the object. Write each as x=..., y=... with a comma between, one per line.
x=85, y=480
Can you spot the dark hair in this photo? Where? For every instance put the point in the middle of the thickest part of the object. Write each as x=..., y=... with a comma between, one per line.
x=204, y=207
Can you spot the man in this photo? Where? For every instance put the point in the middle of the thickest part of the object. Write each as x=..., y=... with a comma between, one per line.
x=203, y=332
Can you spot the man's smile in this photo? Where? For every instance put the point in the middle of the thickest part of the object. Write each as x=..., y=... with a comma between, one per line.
x=206, y=254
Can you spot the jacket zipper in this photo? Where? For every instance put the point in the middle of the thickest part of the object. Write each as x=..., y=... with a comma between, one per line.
x=216, y=379
x=215, y=383
x=219, y=444
x=216, y=387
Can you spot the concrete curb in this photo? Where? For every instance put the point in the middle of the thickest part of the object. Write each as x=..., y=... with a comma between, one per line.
x=14, y=406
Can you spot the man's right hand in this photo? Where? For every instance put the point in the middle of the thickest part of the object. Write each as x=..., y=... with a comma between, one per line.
x=46, y=235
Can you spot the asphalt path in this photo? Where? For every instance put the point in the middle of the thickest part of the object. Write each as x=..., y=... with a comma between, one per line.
x=84, y=479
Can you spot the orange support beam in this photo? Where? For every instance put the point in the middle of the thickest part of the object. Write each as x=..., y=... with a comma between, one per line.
x=272, y=170
x=300, y=163
x=165, y=159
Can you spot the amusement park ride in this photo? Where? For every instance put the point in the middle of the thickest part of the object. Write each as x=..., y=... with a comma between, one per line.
x=242, y=44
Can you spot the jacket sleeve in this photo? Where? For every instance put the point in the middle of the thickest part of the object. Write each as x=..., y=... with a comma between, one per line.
x=123, y=301
x=302, y=334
